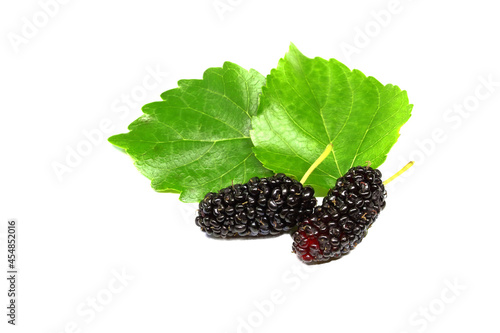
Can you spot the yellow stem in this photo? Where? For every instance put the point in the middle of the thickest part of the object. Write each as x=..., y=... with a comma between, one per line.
x=320, y=159
x=397, y=174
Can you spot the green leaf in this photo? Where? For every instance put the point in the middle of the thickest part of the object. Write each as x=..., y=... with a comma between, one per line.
x=309, y=103
x=197, y=139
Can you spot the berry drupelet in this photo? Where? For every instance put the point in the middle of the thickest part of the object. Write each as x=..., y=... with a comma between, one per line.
x=342, y=221
x=261, y=207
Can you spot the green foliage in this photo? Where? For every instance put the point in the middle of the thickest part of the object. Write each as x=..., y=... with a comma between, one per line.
x=309, y=103
x=207, y=134
x=196, y=139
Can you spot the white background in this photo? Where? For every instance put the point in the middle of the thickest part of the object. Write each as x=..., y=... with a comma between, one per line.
x=440, y=227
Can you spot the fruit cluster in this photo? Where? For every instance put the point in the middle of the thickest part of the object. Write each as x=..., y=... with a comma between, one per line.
x=270, y=206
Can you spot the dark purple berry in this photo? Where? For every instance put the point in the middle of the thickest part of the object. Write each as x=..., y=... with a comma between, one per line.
x=342, y=221
x=263, y=206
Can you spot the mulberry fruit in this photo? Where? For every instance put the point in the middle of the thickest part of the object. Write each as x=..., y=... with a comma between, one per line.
x=263, y=206
x=342, y=221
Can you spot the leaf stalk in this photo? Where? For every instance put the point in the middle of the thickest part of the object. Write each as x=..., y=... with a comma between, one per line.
x=397, y=174
x=320, y=159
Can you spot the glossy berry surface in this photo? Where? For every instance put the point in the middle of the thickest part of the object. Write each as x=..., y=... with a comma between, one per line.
x=341, y=222
x=260, y=207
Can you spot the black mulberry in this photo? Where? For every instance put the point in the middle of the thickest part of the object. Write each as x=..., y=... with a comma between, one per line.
x=263, y=206
x=342, y=221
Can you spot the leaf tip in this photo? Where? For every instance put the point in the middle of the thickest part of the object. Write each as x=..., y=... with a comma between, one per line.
x=293, y=50
x=114, y=139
